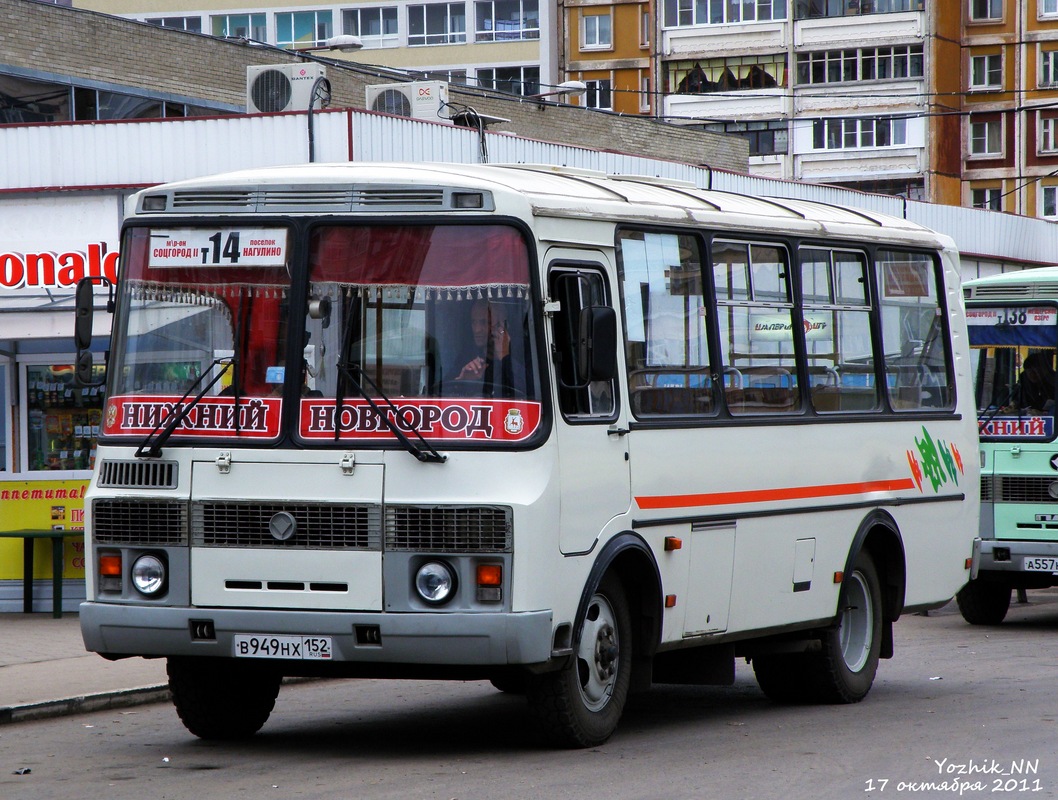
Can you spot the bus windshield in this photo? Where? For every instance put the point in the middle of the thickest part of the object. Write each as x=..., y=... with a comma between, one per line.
x=424, y=327
x=1013, y=357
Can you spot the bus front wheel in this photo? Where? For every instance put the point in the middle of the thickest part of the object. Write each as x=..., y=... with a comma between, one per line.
x=217, y=699
x=984, y=602
x=580, y=705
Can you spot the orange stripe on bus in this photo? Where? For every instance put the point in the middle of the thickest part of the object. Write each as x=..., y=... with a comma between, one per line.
x=766, y=495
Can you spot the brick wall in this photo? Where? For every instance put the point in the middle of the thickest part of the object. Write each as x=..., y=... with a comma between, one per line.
x=87, y=46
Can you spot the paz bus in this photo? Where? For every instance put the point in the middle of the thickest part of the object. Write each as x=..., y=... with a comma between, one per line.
x=1013, y=326
x=568, y=433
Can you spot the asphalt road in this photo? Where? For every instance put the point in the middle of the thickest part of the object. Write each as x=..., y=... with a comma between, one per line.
x=957, y=713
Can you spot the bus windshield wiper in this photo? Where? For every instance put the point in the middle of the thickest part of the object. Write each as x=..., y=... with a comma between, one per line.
x=424, y=451
x=151, y=446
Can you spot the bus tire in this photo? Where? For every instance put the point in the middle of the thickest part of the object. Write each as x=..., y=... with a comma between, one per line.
x=850, y=650
x=984, y=602
x=217, y=699
x=581, y=704
x=842, y=670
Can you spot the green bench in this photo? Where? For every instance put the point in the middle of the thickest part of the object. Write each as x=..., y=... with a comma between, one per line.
x=29, y=538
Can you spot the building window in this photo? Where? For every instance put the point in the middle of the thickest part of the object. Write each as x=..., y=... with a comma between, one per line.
x=1048, y=126
x=437, y=23
x=766, y=137
x=596, y=33
x=646, y=28
x=193, y=24
x=599, y=94
x=987, y=198
x=305, y=28
x=644, y=91
x=726, y=74
x=868, y=63
x=986, y=138
x=809, y=9
x=986, y=9
x=1050, y=201
x=680, y=13
x=851, y=133
x=376, y=27
x=1049, y=67
x=986, y=72
x=1047, y=8
x=246, y=26
x=513, y=80
x=505, y=20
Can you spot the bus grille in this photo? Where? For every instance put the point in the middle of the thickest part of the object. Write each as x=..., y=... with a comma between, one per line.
x=449, y=529
x=986, y=488
x=319, y=526
x=1011, y=489
x=138, y=474
x=150, y=522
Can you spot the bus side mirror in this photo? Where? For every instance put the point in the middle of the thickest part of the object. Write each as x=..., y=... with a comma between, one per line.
x=84, y=312
x=596, y=344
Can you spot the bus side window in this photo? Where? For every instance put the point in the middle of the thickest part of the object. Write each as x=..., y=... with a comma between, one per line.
x=576, y=290
x=666, y=341
x=914, y=332
x=837, y=328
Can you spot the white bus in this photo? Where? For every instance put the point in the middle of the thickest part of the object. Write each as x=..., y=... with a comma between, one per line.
x=570, y=433
x=1013, y=326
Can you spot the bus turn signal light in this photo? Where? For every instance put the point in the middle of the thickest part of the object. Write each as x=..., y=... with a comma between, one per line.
x=839, y=577
x=673, y=543
x=110, y=565
x=490, y=575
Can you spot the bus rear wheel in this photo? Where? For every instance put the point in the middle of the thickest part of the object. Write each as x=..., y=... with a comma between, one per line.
x=984, y=602
x=217, y=699
x=843, y=668
x=581, y=704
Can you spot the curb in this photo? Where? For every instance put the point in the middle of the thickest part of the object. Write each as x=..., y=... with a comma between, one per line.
x=84, y=704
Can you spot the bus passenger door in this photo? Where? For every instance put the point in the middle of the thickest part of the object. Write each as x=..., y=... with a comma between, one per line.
x=594, y=484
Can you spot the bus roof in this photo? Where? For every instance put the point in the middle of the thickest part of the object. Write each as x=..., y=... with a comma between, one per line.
x=541, y=190
x=1038, y=283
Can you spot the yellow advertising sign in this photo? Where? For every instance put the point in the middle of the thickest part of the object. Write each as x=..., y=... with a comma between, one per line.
x=40, y=505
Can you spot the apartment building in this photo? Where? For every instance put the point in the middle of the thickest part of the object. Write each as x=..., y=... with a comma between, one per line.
x=503, y=45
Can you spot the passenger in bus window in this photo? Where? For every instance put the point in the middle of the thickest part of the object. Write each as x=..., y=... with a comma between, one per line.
x=1036, y=385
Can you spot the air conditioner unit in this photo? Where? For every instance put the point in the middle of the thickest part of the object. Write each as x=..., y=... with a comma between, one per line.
x=419, y=100
x=281, y=87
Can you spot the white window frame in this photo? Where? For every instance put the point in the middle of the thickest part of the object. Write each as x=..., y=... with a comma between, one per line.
x=448, y=36
x=372, y=14
x=1052, y=193
x=256, y=32
x=645, y=99
x=723, y=12
x=1048, y=60
x=1047, y=139
x=322, y=25
x=23, y=364
x=990, y=194
x=860, y=133
x=160, y=22
x=528, y=13
x=599, y=89
x=646, y=29
x=973, y=137
x=592, y=33
x=990, y=10
x=986, y=72
x=521, y=70
x=1047, y=8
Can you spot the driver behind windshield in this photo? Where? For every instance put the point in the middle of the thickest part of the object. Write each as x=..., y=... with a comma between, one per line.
x=488, y=368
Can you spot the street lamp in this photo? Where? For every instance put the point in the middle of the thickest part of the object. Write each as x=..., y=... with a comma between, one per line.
x=565, y=90
x=345, y=43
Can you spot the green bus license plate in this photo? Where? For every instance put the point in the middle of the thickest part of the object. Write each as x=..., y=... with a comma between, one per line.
x=248, y=645
x=1040, y=564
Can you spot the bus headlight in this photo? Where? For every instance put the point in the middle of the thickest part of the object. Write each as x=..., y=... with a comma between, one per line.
x=148, y=574
x=435, y=582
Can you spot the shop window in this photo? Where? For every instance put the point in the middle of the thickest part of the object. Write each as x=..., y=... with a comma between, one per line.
x=63, y=418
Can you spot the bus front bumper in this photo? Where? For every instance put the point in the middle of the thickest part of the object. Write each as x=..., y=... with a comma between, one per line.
x=442, y=639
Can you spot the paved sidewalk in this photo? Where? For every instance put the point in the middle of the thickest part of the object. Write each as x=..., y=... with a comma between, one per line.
x=45, y=671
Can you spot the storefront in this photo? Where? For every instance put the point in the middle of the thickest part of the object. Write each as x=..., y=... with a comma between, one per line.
x=48, y=424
